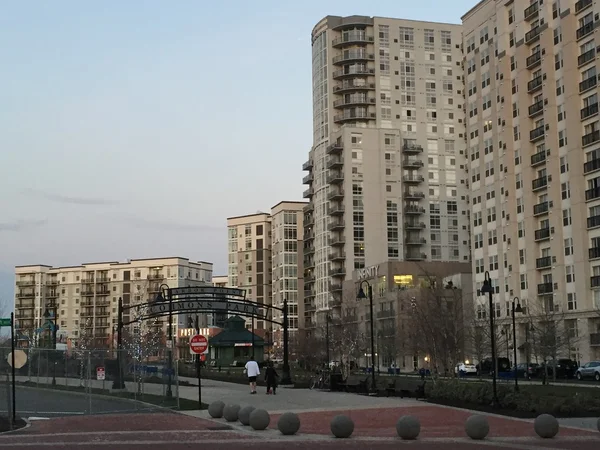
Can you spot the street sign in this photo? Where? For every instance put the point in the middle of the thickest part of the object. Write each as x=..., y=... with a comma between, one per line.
x=100, y=373
x=199, y=344
x=4, y=322
x=169, y=343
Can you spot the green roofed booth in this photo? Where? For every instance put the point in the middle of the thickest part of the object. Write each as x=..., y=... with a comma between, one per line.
x=234, y=344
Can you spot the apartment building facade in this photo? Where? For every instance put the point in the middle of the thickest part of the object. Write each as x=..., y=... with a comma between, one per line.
x=86, y=296
x=386, y=174
x=533, y=139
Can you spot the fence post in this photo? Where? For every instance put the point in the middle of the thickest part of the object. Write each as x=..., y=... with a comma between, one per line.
x=89, y=377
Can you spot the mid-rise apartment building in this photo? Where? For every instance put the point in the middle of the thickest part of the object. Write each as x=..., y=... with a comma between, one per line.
x=387, y=179
x=533, y=138
x=86, y=296
x=265, y=259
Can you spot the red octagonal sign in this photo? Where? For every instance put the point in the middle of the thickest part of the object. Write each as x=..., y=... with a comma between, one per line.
x=199, y=344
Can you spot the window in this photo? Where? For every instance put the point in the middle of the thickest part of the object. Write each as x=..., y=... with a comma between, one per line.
x=570, y=274
x=566, y=217
x=564, y=165
x=568, y=246
x=523, y=281
x=565, y=190
x=492, y=237
x=571, y=301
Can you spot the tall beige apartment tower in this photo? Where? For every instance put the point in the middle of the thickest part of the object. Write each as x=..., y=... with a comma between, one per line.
x=265, y=259
x=533, y=137
x=387, y=178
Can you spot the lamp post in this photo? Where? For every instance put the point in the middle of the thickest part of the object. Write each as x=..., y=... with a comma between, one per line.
x=516, y=308
x=161, y=298
x=487, y=288
x=51, y=316
x=361, y=295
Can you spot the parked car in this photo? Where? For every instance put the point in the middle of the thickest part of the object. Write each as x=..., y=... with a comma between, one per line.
x=565, y=368
x=485, y=367
x=589, y=370
x=470, y=369
x=529, y=371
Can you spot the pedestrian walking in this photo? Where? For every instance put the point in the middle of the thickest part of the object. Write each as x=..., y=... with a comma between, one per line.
x=271, y=376
x=252, y=370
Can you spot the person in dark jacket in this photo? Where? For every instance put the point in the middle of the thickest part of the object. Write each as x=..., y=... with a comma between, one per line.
x=271, y=378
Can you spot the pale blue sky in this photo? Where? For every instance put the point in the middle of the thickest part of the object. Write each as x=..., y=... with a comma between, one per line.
x=133, y=129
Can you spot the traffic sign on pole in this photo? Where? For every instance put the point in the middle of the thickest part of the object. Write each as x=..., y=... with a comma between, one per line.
x=5, y=322
x=199, y=344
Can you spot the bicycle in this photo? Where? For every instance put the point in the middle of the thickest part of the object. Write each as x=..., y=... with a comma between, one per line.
x=320, y=382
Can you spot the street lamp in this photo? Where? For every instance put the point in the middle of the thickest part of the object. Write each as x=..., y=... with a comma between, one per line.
x=361, y=296
x=516, y=308
x=50, y=315
x=487, y=288
x=160, y=297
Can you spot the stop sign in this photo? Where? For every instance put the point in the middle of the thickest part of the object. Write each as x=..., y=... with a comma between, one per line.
x=199, y=344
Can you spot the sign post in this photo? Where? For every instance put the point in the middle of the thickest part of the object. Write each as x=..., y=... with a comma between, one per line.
x=100, y=373
x=12, y=358
x=199, y=345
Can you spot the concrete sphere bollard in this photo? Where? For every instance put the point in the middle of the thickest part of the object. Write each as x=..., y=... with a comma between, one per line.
x=244, y=414
x=546, y=426
x=598, y=424
x=259, y=419
x=288, y=423
x=477, y=427
x=215, y=409
x=230, y=413
x=408, y=427
x=342, y=426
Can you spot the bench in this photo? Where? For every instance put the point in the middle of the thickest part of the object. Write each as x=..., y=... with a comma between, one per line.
x=406, y=386
x=357, y=383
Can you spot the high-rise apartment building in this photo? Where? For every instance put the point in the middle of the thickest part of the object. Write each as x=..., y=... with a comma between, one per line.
x=533, y=137
x=265, y=259
x=86, y=296
x=387, y=179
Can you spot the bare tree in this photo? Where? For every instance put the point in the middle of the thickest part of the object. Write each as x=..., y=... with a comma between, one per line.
x=310, y=348
x=348, y=342
x=83, y=345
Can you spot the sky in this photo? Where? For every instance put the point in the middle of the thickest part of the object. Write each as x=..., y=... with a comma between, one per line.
x=134, y=129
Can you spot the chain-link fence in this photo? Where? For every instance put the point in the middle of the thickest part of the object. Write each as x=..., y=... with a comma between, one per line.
x=55, y=383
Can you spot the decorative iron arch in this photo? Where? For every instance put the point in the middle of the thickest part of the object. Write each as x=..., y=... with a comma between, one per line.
x=200, y=299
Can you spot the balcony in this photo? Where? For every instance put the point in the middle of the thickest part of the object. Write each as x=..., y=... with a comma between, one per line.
x=308, y=179
x=23, y=304
x=541, y=208
x=354, y=71
x=414, y=225
x=354, y=100
x=336, y=210
x=411, y=148
x=412, y=163
x=337, y=256
x=533, y=60
x=308, y=208
x=539, y=183
x=534, y=84
x=335, y=148
x=593, y=222
x=309, y=264
x=581, y=5
x=52, y=283
x=337, y=272
x=310, y=278
x=52, y=294
x=413, y=210
x=87, y=293
x=25, y=294
x=335, y=287
x=590, y=138
x=337, y=225
x=413, y=179
x=594, y=337
x=533, y=35
x=543, y=262
x=351, y=115
x=545, y=288
x=595, y=281
x=415, y=256
x=592, y=194
x=308, y=193
x=586, y=57
x=88, y=280
x=335, y=163
x=352, y=86
x=337, y=242
x=386, y=314
x=309, y=307
x=335, y=178
x=538, y=158
x=352, y=38
x=414, y=195
x=536, y=133
x=591, y=166
x=307, y=165
x=585, y=30
x=102, y=292
x=531, y=12
x=22, y=283
x=335, y=194
x=353, y=56
x=542, y=234
x=594, y=253
x=415, y=240
x=588, y=84
x=589, y=111
x=309, y=221
x=536, y=108
x=309, y=250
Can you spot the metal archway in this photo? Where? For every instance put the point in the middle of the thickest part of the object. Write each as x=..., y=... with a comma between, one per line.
x=199, y=299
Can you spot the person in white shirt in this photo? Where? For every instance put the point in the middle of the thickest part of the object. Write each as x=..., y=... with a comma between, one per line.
x=462, y=370
x=253, y=371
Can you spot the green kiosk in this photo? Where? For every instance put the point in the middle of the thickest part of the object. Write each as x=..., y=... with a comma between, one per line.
x=233, y=345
